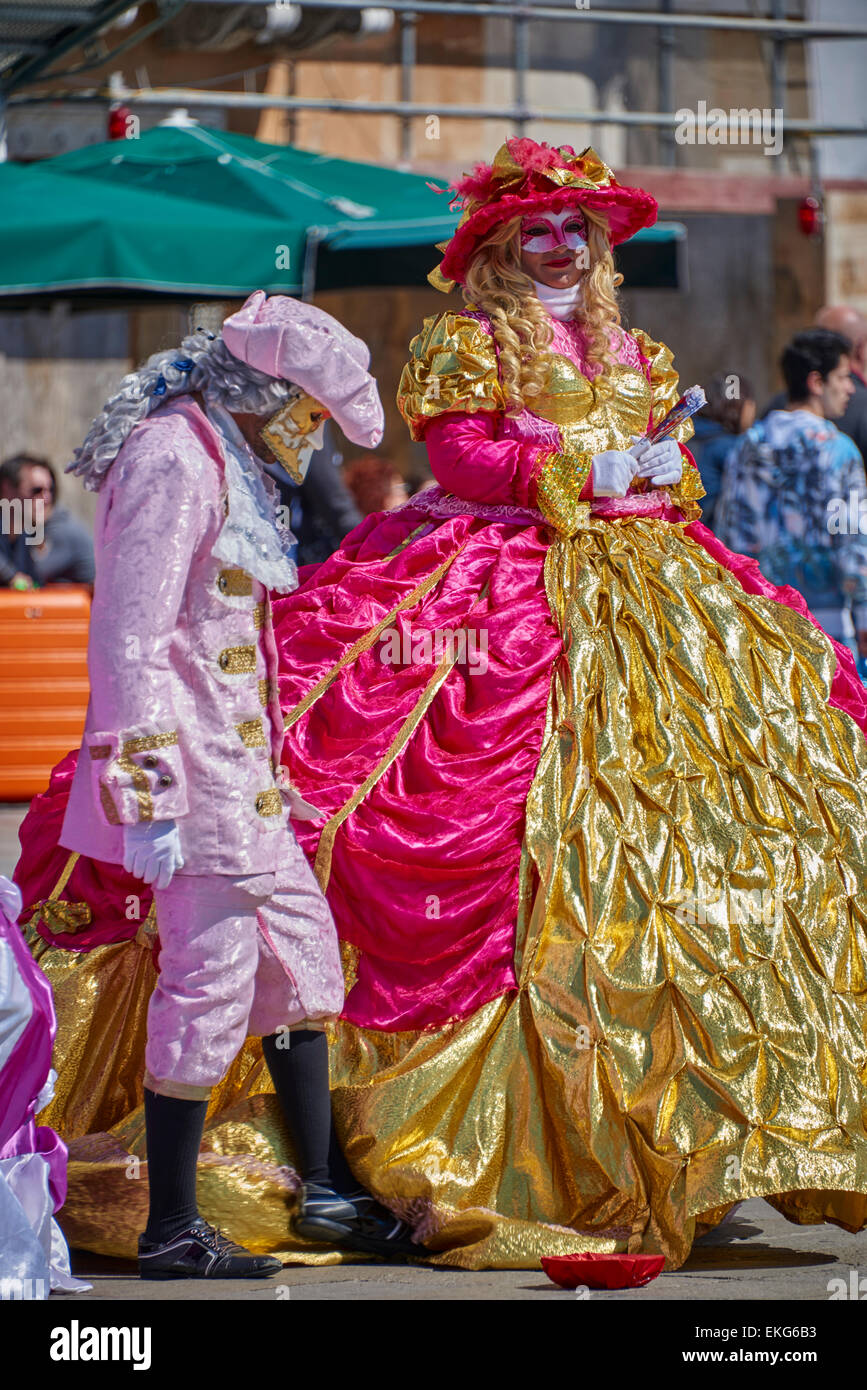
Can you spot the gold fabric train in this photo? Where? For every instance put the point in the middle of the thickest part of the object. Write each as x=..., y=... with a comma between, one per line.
x=690, y=1024
x=689, y=1028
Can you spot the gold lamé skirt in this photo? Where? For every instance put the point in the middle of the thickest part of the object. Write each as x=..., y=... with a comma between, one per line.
x=689, y=1027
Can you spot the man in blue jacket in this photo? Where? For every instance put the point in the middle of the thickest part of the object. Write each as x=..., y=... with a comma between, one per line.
x=794, y=492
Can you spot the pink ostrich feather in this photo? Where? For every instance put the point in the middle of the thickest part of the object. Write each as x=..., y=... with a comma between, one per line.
x=531, y=154
x=483, y=183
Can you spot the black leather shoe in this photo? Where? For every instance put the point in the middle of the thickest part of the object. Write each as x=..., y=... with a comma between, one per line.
x=378, y=1231
x=323, y=1215
x=202, y=1252
x=355, y=1222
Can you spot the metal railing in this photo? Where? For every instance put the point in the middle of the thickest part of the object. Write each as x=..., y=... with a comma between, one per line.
x=777, y=28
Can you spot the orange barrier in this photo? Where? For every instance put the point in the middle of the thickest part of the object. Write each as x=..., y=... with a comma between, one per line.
x=43, y=683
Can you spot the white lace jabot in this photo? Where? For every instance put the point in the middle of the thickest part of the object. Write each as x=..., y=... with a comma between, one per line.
x=252, y=538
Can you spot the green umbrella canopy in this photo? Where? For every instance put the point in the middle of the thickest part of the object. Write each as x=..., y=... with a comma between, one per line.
x=190, y=209
x=186, y=210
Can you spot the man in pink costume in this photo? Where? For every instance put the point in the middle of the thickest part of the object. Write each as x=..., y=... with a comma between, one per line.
x=179, y=776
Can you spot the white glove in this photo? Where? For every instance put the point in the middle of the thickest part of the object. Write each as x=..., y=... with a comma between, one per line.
x=152, y=851
x=613, y=471
x=662, y=463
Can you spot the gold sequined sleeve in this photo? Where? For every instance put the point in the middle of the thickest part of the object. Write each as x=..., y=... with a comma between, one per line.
x=665, y=388
x=452, y=367
x=559, y=481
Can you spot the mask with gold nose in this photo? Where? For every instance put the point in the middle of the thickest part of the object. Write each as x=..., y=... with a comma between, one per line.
x=294, y=434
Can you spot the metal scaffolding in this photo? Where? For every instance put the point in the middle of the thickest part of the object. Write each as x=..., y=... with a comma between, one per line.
x=776, y=27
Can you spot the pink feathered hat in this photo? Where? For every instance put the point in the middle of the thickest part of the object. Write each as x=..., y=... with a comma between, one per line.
x=527, y=177
x=297, y=342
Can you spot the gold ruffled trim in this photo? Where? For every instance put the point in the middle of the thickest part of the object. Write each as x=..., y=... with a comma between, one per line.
x=687, y=492
x=664, y=382
x=453, y=366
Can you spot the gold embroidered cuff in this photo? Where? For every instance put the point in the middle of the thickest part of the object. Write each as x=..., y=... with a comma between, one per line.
x=558, y=490
x=129, y=774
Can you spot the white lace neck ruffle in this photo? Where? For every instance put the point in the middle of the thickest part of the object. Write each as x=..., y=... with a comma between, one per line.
x=252, y=537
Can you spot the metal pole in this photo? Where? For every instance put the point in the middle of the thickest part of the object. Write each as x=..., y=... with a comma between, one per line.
x=315, y=235
x=520, y=64
x=72, y=40
x=47, y=14
x=408, y=48
x=794, y=29
x=255, y=101
x=778, y=74
x=665, y=68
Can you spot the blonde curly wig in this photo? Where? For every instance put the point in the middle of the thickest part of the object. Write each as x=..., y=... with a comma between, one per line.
x=496, y=285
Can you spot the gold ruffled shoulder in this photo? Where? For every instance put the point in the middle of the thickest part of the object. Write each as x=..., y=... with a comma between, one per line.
x=452, y=366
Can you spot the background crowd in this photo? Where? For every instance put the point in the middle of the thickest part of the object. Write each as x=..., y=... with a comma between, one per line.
x=775, y=484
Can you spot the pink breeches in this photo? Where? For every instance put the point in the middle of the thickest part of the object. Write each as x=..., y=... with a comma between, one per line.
x=238, y=956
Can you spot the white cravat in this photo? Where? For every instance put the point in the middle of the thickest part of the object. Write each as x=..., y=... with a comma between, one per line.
x=560, y=304
x=250, y=538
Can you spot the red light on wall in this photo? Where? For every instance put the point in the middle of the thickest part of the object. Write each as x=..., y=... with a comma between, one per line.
x=810, y=218
x=118, y=118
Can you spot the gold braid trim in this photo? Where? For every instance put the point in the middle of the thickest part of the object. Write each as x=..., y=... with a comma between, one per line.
x=140, y=782
x=322, y=864
x=366, y=642
x=408, y=540
x=558, y=490
x=147, y=932
x=148, y=743
x=59, y=916
x=252, y=733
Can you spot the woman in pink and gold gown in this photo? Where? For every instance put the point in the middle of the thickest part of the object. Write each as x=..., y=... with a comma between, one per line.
x=595, y=803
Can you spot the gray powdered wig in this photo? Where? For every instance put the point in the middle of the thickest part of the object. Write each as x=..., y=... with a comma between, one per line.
x=215, y=372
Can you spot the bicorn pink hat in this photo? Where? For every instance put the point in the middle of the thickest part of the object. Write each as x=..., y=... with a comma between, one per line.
x=294, y=341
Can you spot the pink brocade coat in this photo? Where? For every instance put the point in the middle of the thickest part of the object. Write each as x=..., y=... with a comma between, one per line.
x=423, y=767
x=183, y=720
